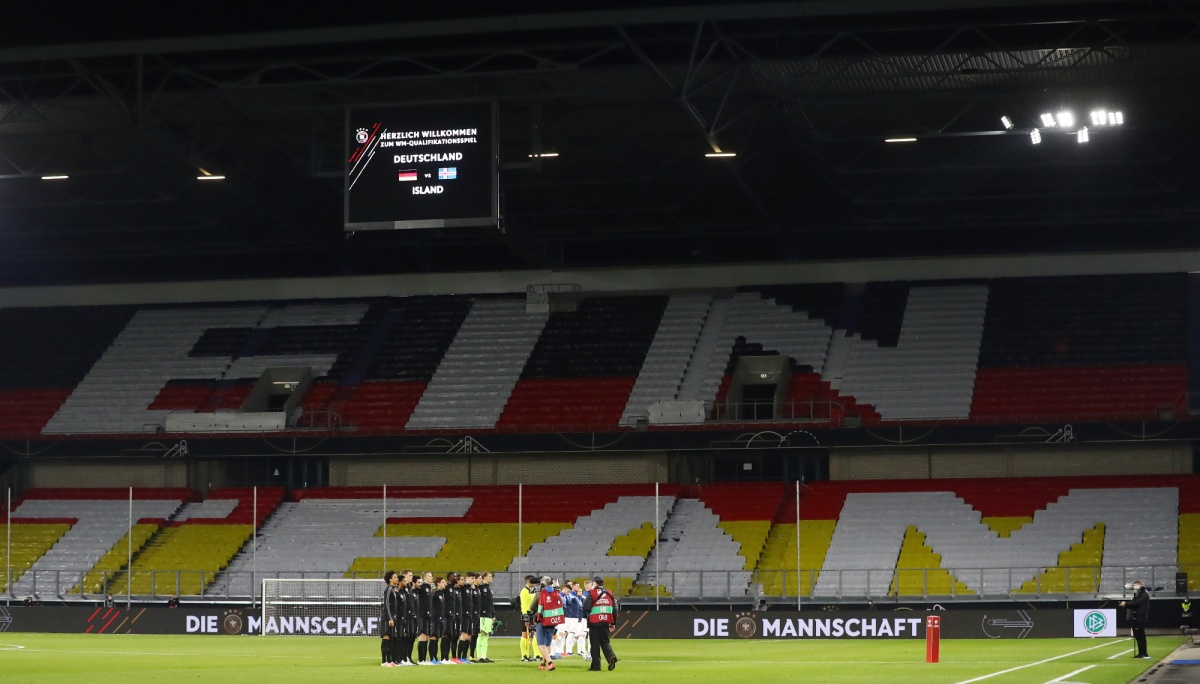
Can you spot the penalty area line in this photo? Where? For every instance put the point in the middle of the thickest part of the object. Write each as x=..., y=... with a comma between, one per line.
x=1040, y=662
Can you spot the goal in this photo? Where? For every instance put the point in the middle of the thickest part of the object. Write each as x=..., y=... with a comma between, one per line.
x=325, y=607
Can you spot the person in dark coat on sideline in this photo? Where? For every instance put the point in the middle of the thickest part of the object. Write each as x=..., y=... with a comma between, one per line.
x=1137, y=611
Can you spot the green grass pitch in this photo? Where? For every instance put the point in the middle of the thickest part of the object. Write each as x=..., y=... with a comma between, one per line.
x=294, y=660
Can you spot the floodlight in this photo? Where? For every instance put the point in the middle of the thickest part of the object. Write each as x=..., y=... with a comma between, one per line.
x=56, y=177
x=544, y=155
x=1082, y=135
x=899, y=140
x=1118, y=117
x=1066, y=119
x=721, y=154
x=1035, y=136
x=1099, y=117
x=210, y=178
x=1048, y=120
x=1008, y=124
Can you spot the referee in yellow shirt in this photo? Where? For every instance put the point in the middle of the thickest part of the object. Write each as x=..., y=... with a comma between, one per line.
x=528, y=601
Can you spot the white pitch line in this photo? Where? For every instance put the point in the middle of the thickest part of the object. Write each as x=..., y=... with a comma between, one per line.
x=1118, y=655
x=1040, y=662
x=1071, y=674
x=162, y=654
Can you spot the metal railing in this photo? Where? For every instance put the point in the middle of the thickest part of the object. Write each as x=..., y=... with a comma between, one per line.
x=681, y=586
x=808, y=411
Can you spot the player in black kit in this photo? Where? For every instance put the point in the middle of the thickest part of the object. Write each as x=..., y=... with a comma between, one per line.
x=389, y=619
x=425, y=591
x=471, y=606
x=437, y=618
x=411, y=615
x=450, y=638
x=462, y=603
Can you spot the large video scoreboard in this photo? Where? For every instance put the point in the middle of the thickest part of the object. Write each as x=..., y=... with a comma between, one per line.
x=428, y=166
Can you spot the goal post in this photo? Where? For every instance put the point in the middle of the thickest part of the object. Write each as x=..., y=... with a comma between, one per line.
x=323, y=607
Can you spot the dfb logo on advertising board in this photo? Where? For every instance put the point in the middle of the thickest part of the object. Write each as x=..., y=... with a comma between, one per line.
x=1096, y=622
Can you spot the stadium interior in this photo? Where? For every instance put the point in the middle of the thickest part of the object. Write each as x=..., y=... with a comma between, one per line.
x=793, y=301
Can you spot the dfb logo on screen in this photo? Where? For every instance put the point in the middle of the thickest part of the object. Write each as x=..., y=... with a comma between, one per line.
x=204, y=624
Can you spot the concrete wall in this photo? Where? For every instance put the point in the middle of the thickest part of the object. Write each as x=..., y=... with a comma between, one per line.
x=1009, y=461
x=606, y=280
x=139, y=473
x=489, y=469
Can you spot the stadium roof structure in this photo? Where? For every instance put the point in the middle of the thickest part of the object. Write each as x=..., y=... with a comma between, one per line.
x=631, y=97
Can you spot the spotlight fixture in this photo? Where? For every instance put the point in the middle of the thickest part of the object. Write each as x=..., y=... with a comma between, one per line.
x=1035, y=137
x=721, y=154
x=1099, y=117
x=1082, y=135
x=899, y=140
x=1048, y=120
x=1008, y=124
x=1065, y=119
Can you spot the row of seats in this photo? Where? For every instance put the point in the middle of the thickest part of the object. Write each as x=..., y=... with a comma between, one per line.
x=1009, y=349
x=858, y=538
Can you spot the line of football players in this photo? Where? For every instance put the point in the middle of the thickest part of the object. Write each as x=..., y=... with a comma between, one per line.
x=447, y=619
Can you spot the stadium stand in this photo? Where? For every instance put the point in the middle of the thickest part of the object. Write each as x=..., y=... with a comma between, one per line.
x=334, y=531
x=479, y=370
x=29, y=542
x=670, y=353
x=401, y=357
x=44, y=354
x=161, y=345
x=777, y=574
x=1087, y=347
x=929, y=371
x=102, y=578
x=102, y=520
x=713, y=540
x=985, y=537
x=324, y=534
x=586, y=546
x=1140, y=517
x=775, y=326
x=199, y=541
x=584, y=365
x=997, y=351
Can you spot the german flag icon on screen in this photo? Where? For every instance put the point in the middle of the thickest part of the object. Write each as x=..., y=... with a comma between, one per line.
x=408, y=175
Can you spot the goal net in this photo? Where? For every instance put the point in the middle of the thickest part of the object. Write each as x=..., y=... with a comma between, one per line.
x=326, y=607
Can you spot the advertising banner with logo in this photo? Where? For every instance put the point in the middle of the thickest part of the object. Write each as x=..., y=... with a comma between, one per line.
x=1096, y=622
x=1000, y=623
x=122, y=620
x=881, y=624
x=189, y=620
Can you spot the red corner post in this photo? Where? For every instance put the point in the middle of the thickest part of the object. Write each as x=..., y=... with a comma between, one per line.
x=933, y=638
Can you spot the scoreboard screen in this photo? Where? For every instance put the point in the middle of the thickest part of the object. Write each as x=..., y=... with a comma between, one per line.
x=428, y=166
